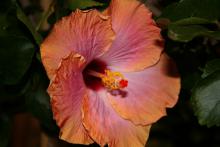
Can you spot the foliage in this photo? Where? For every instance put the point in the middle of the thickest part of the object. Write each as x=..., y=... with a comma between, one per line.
x=206, y=99
x=190, y=20
x=191, y=29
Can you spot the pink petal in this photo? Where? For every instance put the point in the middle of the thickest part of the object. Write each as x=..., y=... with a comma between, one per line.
x=149, y=92
x=66, y=91
x=105, y=126
x=138, y=43
x=88, y=33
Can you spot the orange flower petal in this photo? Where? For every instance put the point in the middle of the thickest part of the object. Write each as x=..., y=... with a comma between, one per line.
x=105, y=126
x=138, y=43
x=149, y=92
x=66, y=91
x=88, y=33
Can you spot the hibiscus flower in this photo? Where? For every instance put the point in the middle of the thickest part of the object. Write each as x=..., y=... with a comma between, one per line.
x=110, y=79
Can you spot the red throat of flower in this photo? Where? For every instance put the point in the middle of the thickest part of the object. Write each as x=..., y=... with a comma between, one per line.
x=111, y=80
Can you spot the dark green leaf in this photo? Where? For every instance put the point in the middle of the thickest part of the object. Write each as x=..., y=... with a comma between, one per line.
x=168, y=12
x=11, y=93
x=16, y=49
x=185, y=33
x=23, y=18
x=193, y=21
x=83, y=4
x=38, y=100
x=206, y=100
x=16, y=55
x=9, y=25
x=211, y=67
x=60, y=10
x=207, y=9
x=189, y=21
x=4, y=130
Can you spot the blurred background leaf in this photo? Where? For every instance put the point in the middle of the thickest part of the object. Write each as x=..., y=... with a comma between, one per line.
x=38, y=100
x=188, y=19
x=207, y=9
x=83, y=4
x=64, y=8
x=16, y=47
x=16, y=56
x=186, y=33
x=24, y=19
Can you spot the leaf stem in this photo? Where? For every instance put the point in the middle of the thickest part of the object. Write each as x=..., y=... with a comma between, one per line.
x=46, y=14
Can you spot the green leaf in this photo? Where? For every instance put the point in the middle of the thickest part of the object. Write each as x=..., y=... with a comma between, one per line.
x=38, y=100
x=23, y=18
x=211, y=67
x=16, y=54
x=168, y=12
x=206, y=100
x=5, y=127
x=83, y=4
x=11, y=93
x=193, y=21
x=16, y=49
x=188, y=21
x=207, y=9
x=185, y=33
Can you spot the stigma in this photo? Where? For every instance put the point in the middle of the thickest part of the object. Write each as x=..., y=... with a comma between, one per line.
x=111, y=80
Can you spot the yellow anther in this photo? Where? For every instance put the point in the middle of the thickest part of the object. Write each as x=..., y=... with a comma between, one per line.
x=111, y=80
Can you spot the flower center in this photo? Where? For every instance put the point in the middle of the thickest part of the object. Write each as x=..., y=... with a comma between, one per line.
x=97, y=76
x=111, y=80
